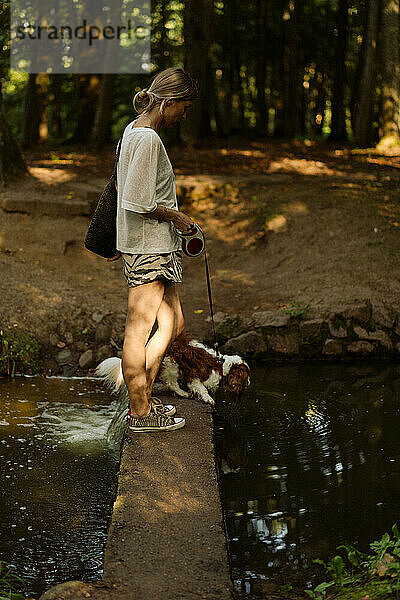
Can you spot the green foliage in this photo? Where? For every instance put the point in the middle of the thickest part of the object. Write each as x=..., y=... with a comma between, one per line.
x=9, y=584
x=262, y=211
x=18, y=351
x=296, y=309
x=230, y=327
x=380, y=571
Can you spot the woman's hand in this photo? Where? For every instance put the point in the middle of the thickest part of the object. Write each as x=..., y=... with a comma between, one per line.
x=182, y=222
x=116, y=257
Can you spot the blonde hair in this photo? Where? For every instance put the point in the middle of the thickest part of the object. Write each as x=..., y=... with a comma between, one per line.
x=171, y=83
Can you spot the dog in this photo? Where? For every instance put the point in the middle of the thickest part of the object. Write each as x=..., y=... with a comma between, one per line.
x=188, y=363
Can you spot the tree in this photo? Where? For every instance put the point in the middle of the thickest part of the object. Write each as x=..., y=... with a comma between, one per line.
x=390, y=69
x=363, y=107
x=338, y=125
x=101, y=127
x=198, y=21
x=11, y=161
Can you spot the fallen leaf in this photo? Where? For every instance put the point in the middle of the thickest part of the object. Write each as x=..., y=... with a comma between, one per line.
x=198, y=312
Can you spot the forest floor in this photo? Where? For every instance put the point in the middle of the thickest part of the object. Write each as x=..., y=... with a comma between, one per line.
x=297, y=223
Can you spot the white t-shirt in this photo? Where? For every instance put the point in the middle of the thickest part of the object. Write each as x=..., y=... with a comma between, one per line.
x=145, y=178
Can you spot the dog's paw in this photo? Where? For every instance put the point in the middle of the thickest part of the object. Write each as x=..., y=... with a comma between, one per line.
x=182, y=393
x=208, y=400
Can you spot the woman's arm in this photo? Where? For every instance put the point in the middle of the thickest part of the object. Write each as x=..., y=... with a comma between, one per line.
x=178, y=218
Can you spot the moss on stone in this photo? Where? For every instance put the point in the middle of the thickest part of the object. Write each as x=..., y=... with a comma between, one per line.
x=20, y=352
x=230, y=327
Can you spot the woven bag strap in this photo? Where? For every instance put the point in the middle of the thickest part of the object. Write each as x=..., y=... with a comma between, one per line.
x=119, y=148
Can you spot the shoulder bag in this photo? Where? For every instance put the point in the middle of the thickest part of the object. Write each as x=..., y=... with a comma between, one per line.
x=101, y=236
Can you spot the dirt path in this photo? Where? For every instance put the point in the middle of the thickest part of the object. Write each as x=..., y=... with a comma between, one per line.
x=327, y=233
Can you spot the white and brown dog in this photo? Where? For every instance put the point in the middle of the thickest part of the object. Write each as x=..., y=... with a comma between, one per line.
x=191, y=365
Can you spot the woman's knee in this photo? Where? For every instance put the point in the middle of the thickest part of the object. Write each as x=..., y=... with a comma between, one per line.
x=139, y=325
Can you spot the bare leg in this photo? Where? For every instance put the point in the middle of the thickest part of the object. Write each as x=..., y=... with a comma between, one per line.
x=170, y=324
x=143, y=305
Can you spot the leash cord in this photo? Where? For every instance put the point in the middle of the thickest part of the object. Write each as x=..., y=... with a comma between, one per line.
x=211, y=304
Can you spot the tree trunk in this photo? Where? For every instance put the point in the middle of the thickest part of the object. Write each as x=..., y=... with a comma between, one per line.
x=355, y=93
x=320, y=103
x=32, y=114
x=101, y=128
x=198, y=22
x=390, y=69
x=162, y=59
x=364, y=107
x=86, y=95
x=55, y=105
x=11, y=162
x=291, y=101
x=338, y=124
x=261, y=67
x=227, y=68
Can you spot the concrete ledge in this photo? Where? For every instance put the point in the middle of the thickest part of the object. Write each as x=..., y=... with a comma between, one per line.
x=166, y=538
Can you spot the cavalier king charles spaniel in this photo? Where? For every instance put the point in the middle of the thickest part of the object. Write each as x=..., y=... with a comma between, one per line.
x=189, y=369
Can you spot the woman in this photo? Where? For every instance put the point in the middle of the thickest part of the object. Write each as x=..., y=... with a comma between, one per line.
x=149, y=247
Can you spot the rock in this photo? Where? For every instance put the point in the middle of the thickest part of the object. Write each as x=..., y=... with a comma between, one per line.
x=269, y=318
x=69, y=370
x=218, y=317
x=337, y=331
x=103, y=332
x=70, y=590
x=104, y=352
x=248, y=344
x=383, y=314
x=332, y=347
x=231, y=326
x=86, y=359
x=97, y=317
x=63, y=356
x=358, y=312
x=379, y=335
x=310, y=328
x=360, y=332
x=360, y=347
x=382, y=565
x=286, y=343
x=382, y=337
x=119, y=353
x=54, y=339
x=397, y=325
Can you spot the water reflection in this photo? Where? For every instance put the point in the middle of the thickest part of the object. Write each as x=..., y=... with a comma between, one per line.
x=309, y=461
x=58, y=476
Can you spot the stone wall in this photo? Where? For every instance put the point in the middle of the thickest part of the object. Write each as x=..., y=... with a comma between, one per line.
x=360, y=329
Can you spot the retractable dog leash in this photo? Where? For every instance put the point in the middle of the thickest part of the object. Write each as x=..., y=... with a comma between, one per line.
x=194, y=244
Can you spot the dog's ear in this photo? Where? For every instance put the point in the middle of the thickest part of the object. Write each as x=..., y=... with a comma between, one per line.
x=238, y=378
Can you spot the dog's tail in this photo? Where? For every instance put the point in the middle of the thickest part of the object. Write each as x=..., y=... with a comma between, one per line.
x=110, y=371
